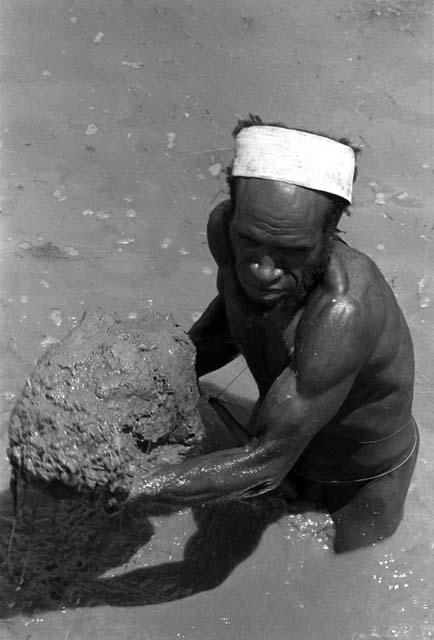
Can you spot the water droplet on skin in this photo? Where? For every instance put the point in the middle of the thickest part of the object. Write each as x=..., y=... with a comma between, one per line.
x=46, y=73
x=207, y=271
x=24, y=245
x=166, y=243
x=195, y=316
x=24, y=299
x=425, y=302
x=132, y=315
x=380, y=246
x=87, y=212
x=131, y=213
x=380, y=198
x=99, y=36
x=91, y=130
x=73, y=19
x=184, y=252
x=45, y=284
x=103, y=215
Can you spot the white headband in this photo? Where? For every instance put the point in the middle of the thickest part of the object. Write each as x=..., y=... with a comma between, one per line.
x=297, y=157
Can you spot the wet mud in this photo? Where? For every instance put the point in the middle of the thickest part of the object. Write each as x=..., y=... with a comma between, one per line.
x=115, y=133
x=105, y=405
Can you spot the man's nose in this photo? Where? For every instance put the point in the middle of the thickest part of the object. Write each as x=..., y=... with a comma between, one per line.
x=265, y=270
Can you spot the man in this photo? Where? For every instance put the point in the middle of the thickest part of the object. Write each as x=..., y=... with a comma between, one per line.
x=322, y=334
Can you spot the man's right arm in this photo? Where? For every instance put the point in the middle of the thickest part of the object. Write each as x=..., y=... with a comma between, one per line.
x=211, y=337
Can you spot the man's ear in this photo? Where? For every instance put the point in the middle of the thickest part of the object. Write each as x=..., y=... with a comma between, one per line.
x=218, y=233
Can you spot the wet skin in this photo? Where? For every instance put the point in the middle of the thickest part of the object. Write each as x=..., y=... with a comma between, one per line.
x=334, y=368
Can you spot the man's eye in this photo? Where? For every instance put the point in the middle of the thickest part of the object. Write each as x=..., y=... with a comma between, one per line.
x=245, y=239
x=292, y=256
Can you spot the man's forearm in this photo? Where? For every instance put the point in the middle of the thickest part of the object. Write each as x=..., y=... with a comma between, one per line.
x=240, y=472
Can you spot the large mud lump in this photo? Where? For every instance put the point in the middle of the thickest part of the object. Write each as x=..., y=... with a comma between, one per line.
x=106, y=404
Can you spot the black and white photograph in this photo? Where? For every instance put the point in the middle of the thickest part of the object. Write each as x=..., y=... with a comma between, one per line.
x=217, y=320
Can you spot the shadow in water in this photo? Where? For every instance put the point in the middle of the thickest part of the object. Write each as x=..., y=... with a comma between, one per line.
x=227, y=534
x=55, y=553
x=70, y=552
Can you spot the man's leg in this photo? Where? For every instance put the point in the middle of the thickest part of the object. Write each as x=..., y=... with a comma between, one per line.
x=368, y=513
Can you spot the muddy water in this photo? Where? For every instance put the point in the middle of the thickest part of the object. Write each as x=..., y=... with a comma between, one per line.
x=116, y=120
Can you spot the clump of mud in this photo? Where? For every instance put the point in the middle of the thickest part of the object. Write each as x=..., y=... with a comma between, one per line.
x=105, y=405
x=98, y=412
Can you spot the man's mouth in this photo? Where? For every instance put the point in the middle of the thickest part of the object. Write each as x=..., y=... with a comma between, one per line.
x=263, y=292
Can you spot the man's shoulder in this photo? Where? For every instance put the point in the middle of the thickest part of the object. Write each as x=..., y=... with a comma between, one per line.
x=352, y=301
x=218, y=232
x=354, y=280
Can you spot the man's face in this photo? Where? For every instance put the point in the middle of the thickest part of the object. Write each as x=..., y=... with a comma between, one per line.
x=276, y=237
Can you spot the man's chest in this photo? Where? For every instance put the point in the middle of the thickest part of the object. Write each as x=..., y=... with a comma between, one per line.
x=265, y=339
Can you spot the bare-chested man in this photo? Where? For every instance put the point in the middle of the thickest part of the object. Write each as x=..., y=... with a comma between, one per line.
x=322, y=334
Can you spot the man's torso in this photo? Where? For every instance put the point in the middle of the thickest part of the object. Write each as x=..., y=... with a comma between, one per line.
x=379, y=402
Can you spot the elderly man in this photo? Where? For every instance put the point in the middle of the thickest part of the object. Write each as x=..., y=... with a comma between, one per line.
x=322, y=334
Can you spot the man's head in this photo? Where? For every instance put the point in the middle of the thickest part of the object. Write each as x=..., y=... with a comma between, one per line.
x=281, y=233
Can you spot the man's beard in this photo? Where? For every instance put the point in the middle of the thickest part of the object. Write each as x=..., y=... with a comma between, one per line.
x=311, y=277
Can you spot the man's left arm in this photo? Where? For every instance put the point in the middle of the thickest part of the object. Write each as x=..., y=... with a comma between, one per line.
x=306, y=395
